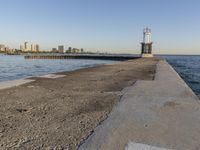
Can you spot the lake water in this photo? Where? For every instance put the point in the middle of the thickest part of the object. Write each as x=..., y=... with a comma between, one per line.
x=16, y=67
x=188, y=67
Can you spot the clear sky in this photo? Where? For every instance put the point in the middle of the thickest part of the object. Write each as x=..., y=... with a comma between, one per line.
x=102, y=25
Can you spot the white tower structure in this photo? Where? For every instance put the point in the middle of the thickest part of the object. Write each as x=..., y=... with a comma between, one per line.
x=147, y=43
x=147, y=35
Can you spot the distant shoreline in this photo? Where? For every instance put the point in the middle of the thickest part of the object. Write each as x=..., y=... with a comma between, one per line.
x=40, y=53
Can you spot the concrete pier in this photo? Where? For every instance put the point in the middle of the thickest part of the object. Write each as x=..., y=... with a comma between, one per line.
x=160, y=114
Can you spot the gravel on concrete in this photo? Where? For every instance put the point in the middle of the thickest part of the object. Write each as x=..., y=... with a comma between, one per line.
x=60, y=113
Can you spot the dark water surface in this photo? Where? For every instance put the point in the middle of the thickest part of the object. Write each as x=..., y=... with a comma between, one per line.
x=16, y=67
x=188, y=67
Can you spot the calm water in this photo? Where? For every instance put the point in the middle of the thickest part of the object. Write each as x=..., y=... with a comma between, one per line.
x=188, y=68
x=16, y=67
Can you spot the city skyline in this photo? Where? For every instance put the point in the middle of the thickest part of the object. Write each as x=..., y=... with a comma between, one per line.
x=113, y=26
x=35, y=48
x=29, y=47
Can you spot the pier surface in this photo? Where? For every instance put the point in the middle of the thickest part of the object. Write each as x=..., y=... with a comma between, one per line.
x=152, y=115
x=61, y=110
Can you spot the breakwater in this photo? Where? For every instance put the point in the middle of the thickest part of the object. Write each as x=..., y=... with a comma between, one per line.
x=83, y=56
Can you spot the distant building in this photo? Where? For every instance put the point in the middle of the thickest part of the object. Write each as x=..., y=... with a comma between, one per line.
x=37, y=47
x=21, y=47
x=54, y=50
x=70, y=49
x=26, y=46
x=32, y=48
x=82, y=50
x=61, y=49
x=2, y=47
x=7, y=49
x=75, y=50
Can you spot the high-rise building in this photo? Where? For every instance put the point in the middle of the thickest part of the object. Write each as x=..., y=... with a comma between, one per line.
x=37, y=47
x=70, y=49
x=21, y=47
x=7, y=48
x=54, y=50
x=75, y=50
x=61, y=49
x=2, y=47
x=26, y=46
x=32, y=47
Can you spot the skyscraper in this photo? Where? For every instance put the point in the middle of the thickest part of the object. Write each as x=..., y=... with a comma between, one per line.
x=70, y=49
x=37, y=47
x=61, y=49
x=54, y=50
x=32, y=47
x=21, y=47
x=2, y=47
x=26, y=47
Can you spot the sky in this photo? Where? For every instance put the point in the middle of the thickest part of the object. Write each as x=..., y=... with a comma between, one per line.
x=113, y=26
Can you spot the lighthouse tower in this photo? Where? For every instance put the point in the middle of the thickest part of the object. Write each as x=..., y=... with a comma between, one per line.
x=147, y=43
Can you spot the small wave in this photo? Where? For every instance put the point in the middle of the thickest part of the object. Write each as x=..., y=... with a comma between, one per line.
x=194, y=82
x=37, y=66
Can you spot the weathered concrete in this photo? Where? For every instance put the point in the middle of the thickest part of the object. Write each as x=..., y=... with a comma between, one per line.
x=52, y=76
x=13, y=83
x=138, y=146
x=146, y=55
x=163, y=113
x=18, y=82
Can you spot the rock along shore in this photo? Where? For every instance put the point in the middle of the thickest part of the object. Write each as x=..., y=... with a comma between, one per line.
x=55, y=112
